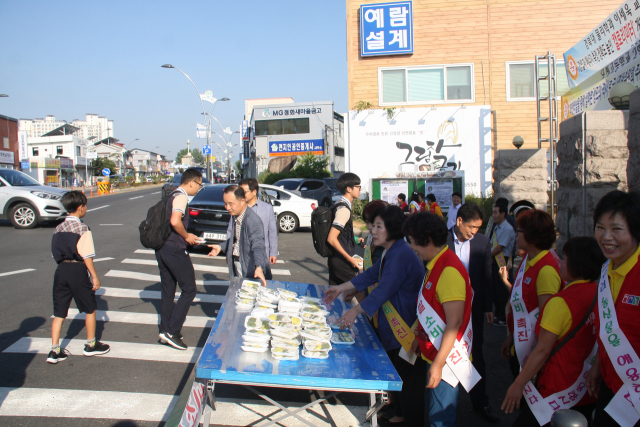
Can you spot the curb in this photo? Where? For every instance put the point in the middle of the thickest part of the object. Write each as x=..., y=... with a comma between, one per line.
x=126, y=190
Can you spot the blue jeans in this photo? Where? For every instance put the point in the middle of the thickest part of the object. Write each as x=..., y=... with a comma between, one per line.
x=441, y=403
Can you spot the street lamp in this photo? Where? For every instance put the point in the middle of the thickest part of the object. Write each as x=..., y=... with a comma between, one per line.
x=3, y=95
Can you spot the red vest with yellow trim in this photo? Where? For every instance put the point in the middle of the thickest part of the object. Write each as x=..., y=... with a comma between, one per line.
x=628, y=315
x=529, y=290
x=447, y=259
x=433, y=207
x=563, y=369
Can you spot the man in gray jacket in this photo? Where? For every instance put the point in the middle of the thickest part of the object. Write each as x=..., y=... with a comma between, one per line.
x=245, y=248
x=265, y=212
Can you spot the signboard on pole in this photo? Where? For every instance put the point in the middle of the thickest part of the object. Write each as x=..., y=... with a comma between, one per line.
x=201, y=131
x=206, y=149
x=386, y=28
x=106, y=172
x=92, y=155
x=208, y=96
x=245, y=129
x=22, y=145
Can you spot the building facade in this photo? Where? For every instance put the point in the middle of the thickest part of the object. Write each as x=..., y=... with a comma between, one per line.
x=9, y=157
x=92, y=127
x=59, y=160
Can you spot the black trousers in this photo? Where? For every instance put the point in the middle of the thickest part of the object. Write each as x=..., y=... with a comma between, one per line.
x=501, y=295
x=409, y=403
x=602, y=418
x=340, y=271
x=175, y=266
x=478, y=393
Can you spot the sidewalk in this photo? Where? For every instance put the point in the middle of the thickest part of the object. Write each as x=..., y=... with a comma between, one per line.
x=87, y=191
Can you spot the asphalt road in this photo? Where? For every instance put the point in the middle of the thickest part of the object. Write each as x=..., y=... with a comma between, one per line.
x=143, y=376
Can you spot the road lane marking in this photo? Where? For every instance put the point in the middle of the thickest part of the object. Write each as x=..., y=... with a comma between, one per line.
x=199, y=267
x=110, y=224
x=119, y=350
x=100, y=207
x=102, y=259
x=133, y=198
x=157, y=192
x=140, y=318
x=134, y=293
x=156, y=278
x=192, y=255
x=26, y=270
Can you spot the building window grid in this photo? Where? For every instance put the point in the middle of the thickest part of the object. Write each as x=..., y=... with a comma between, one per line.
x=442, y=67
x=561, y=83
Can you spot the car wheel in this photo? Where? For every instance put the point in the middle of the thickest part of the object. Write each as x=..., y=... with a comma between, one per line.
x=326, y=203
x=23, y=215
x=287, y=222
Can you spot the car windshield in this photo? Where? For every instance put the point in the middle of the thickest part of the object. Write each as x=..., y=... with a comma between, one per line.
x=212, y=193
x=287, y=185
x=178, y=177
x=331, y=183
x=17, y=178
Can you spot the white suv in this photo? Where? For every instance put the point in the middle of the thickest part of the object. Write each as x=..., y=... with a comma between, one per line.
x=25, y=202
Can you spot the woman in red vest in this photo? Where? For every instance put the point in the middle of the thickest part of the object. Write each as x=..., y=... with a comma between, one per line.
x=538, y=279
x=566, y=340
x=444, y=309
x=433, y=206
x=617, y=230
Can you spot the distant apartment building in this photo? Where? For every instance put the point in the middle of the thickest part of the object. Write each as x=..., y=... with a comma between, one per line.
x=93, y=127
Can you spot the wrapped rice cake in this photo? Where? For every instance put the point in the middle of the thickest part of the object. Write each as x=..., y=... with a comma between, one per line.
x=315, y=354
x=286, y=292
x=282, y=318
x=253, y=347
x=288, y=334
x=342, y=338
x=317, y=345
x=251, y=322
x=313, y=310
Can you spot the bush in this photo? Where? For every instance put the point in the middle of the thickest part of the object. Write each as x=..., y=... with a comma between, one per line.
x=308, y=166
x=358, y=207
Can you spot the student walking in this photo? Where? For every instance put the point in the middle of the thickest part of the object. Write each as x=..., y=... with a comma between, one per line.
x=175, y=264
x=75, y=278
x=502, y=240
x=265, y=212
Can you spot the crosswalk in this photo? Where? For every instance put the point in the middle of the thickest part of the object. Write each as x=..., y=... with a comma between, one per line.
x=127, y=318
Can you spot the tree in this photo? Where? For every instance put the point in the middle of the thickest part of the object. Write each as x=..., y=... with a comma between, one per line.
x=103, y=163
x=198, y=157
x=308, y=166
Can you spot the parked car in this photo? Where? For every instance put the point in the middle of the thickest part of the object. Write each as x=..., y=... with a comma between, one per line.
x=335, y=194
x=292, y=211
x=175, y=183
x=308, y=188
x=25, y=202
x=208, y=218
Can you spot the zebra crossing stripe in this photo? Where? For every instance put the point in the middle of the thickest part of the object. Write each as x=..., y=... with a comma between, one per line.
x=199, y=267
x=140, y=318
x=119, y=350
x=156, y=278
x=133, y=293
x=192, y=255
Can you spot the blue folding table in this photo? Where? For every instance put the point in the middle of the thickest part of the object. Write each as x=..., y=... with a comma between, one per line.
x=362, y=367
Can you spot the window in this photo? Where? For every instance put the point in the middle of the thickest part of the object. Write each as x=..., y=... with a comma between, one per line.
x=521, y=84
x=312, y=185
x=426, y=84
x=5, y=142
x=78, y=151
x=59, y=150
x=282, y=126
x=34, y=150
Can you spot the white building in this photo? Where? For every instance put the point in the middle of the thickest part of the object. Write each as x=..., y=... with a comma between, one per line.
x=145, y=163
x=92, y=127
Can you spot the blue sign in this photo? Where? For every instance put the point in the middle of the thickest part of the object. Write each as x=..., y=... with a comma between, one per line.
x=106, y=172
x=206, y=149
x=25, y=165
x=386, y=28
x=296, y=148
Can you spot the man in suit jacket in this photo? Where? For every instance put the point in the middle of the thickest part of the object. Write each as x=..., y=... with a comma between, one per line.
x=474, y=250
x=245, y=248
x=265, y=212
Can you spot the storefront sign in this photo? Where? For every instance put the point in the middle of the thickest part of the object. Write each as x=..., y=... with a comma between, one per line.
x=386, y=28
x=44, y=163
x=22, y=145
x=267, y=112
x=25, y=165
x=245, y=129
x=421, y=142
x=66, y=163
x=7, y=157
x=296, y=148
x=609, y=41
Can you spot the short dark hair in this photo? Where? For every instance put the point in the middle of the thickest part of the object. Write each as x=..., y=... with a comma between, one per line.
x=402, y=197
x=72, y=200
x=584, y=258
x=538, y=228
x=424, y=227
x=431, y=197
x=252, y=183
x=502, y=201
x=189, y=175
x=470, y=212
x=371, y=207
x=626, y=204
x=347, y=180
x=456, y=193
x=502, y=208
x=420, y=194
x=393, y=219
x=236, y=190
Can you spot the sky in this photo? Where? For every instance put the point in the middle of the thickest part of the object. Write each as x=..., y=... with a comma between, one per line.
x=70, y=58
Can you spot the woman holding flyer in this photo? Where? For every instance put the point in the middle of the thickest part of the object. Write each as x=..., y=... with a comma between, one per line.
x=566, y=343
x=444, y=336
x=538, y=279
x=617, y=230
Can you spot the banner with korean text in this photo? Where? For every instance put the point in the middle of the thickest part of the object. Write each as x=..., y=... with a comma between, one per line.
x=296, y=148
x=386, y=28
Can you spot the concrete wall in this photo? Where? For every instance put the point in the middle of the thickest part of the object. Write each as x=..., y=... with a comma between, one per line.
x=633, y=165
x=592, y=160
x=521, y=175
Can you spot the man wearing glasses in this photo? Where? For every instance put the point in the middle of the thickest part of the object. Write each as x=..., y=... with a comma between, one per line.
x=265, y=212
x=175, y=264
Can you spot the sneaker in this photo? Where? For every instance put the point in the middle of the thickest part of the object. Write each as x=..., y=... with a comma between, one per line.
x=164, y=341
x=498, y=322
x=174, y=341
x=97, y=349
x=57, y=357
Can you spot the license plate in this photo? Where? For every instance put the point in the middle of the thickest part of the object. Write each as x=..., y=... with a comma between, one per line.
x=215, y=236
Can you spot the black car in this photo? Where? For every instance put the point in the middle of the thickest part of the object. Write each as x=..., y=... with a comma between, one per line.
x=175, y=183
x=308, y=188
x=207, y=216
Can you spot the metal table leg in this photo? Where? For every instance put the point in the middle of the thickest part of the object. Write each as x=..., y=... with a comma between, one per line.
x=375, y=406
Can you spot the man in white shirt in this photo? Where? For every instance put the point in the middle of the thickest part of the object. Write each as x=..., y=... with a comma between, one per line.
x=456, y=201
x=503, y=239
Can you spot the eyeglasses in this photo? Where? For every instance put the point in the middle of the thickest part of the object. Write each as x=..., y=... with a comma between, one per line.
x=199, y=183
x=519, y=231
x=359, y=187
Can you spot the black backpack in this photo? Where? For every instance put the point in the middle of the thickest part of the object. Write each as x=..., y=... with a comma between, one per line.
x=156, y=229
x=321, y=220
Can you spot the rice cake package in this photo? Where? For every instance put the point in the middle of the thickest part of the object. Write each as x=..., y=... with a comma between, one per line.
x=317, y=345
x=342, y=338
x=251, y=322
x=312, y=317
x=282, y=318
x=315, y=354
x=288, y=334
x=313, y=310
x=262, y=313
x=280, y=342
x=287, y=293
x=256, y=338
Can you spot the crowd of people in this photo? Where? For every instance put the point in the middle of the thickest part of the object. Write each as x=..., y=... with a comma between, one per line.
x=428, y=287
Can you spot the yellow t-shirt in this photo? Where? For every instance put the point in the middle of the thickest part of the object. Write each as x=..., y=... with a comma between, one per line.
x=548, y=281
x=556, y=317
x=617, y=276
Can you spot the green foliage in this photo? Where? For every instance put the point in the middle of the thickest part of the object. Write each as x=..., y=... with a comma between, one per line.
x=485, y=203
x=358, y=207
x=391, y=112
x=103, y=163
x=362, y=105
x=308, y=166
x=198, y=157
